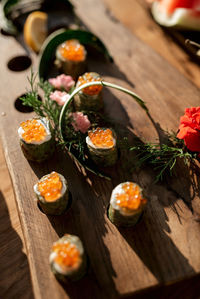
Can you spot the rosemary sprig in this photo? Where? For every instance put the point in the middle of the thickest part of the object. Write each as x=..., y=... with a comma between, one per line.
x=162, y=157
x=31, y=98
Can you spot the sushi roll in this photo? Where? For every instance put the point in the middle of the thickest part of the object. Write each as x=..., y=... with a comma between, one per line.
x=36, y=140
x=71, y=58
x=101, y=143
x=126, y=204
x=89, y=98
x=52, y=193
x=67, y=259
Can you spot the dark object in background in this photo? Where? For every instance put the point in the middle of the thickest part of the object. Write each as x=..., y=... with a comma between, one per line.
x=15, y=13
x=189, y=40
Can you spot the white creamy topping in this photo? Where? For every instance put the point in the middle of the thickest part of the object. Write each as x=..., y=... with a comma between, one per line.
x=118, y=190
x=63, y=190
x=45, y=123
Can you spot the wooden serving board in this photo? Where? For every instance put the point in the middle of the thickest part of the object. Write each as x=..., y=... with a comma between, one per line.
x=165, y=246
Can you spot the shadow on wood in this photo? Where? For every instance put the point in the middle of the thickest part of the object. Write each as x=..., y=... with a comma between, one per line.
x=85, y=213
x=14, y=267
x=159, y=260
x=189, y=288
x=90, y=212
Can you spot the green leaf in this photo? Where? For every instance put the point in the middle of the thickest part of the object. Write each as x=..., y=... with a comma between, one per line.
x=56, y=38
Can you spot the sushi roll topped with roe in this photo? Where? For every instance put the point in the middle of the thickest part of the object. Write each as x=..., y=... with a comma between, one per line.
x=52, y=193
x=90, y=77
x=68, y=259
x=36, y=139
x=126, y=204
x=34, y=131
x=72, y=50
x=89, y=98
x=101, y=143
x=51, y=187
x=71, y=57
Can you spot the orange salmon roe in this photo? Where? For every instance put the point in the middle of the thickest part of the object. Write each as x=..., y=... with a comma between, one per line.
x=91, y=90
x=33, y=130
x=101, y=138
x=67, y=254
x=50, y=188
x=131, y=198
x=72, y=50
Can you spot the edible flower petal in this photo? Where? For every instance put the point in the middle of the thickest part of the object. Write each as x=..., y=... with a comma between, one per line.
x=60, y=97
x=80, y=122
x=62, y=81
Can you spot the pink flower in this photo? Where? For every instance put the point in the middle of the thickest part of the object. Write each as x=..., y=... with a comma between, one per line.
x=80, y=122
x=60, y=97
x=62, y=81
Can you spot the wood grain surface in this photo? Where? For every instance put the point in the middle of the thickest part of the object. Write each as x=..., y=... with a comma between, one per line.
x=136, y=16
x=162, y=248
x=14, y=266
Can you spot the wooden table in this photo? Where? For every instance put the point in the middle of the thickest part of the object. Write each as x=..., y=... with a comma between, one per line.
x=16, y=281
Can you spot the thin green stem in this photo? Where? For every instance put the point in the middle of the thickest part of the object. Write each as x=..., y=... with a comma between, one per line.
x=103, y=83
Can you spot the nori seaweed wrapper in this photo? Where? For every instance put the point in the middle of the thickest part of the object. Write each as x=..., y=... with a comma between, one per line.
x=70, y=274
x=38, y=152
x=122, y=219
x=103, y=156
x=58, y=206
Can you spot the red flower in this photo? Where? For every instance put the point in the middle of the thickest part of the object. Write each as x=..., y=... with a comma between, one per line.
x=189, y=129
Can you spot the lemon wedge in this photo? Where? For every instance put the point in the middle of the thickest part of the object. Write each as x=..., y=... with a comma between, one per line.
x=35, y=30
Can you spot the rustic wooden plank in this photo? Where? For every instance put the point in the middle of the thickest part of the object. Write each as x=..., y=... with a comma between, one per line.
x=136, y=16
x=13, y=260
x=164, y=247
